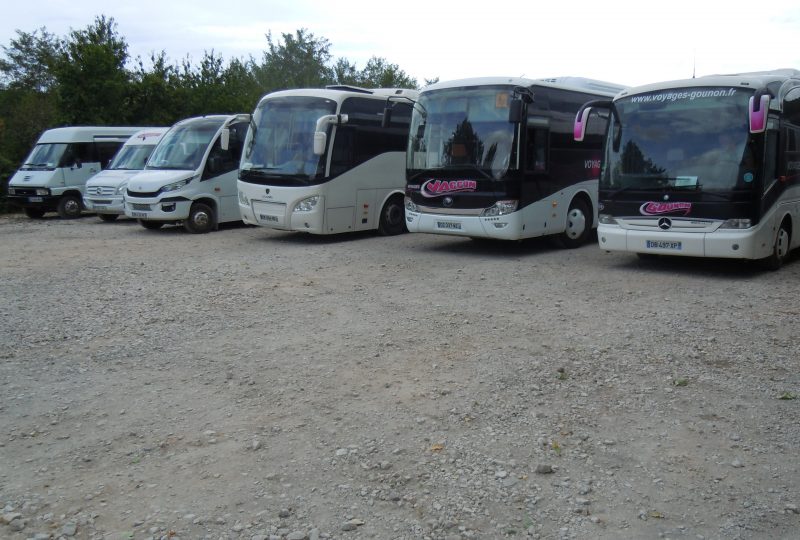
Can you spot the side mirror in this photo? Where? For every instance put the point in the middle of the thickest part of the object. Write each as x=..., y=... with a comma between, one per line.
x=320, y=140
x=387, y=117
x=225, y=138
x=581, y=120
x=516, y=111
x=757, y=112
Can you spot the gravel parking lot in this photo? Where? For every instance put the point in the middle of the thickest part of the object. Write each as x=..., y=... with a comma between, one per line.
x=252, y=384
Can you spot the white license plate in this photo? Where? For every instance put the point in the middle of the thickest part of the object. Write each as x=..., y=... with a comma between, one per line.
x=99, y=207
x=663, y=244
x=35, y=199
x=264, y=217
x=448, y=225
x=139, y=214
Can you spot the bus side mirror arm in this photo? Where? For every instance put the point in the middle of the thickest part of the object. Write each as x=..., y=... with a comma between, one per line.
x=758, y=111
x=320, y=135
x=582, y=117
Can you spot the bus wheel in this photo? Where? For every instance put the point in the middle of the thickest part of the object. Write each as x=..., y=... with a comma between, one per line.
x=579, y=225
x=69, y=207
x=200, y=220
x=151, y=225
x=34, y=213
x=780, y=249
x=393, y=218
x=108, y=217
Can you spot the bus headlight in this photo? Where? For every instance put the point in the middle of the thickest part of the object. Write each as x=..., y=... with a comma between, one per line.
x=307, y=205
x=175, y=186
x=736, y=224
x=606, y=219
x=500, y=208
x=410, y=206
x=243, y=199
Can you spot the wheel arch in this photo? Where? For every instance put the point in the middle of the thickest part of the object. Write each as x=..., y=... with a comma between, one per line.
x=213, y=204
x=584, y=196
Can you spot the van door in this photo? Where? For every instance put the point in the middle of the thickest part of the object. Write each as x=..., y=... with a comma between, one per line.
x=221, y=172
x=79, y=164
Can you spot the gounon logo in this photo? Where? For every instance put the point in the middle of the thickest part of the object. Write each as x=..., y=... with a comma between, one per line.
x=437, y=188
x=660, y=208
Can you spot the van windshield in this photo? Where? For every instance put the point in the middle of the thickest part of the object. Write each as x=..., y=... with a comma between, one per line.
x=184, y=146
x=132, y=157
x=44, y=157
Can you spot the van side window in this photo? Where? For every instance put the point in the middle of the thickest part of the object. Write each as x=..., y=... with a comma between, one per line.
x=77, y=153
x=221, y=161
x=105, y=152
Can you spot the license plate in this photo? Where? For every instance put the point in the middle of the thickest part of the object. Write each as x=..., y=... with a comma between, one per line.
x=449, y=225
x=662, y=244
x=99, y=207
x=139, y=214
x=35, y=199
x=264, y=217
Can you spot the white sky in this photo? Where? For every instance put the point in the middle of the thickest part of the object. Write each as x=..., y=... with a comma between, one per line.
x=626, y=42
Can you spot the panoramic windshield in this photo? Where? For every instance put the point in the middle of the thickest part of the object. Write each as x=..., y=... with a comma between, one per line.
x=45, y=156
x=459, y=128
x=281, y=138
x=132, y=157
x=692, y=138
x=184, y=146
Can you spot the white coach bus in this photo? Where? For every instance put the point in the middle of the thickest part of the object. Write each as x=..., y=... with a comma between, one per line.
x=104, y=191
x=190, y=178
x=321, y=161
x=703, y=167
x=54, y=175
x=494, y=157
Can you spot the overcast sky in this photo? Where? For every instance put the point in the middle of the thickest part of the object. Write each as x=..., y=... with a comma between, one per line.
x=626, y=42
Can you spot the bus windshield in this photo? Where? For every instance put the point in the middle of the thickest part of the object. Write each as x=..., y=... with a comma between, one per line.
x=280, y=141
x=462, y=128
x=131, y=157
x=184, y=146
x=685, y=138
x=44, y=156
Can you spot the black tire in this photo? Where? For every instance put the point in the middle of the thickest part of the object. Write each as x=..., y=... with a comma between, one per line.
x=108, y=217
x=579, y=225
x=151, y=225
x=780, y=249
x=393, y=218
x=200, y=220
x=69, y=207
x=34, y=213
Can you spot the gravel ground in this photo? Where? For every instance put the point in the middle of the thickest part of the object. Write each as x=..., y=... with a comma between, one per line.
x=252, y=384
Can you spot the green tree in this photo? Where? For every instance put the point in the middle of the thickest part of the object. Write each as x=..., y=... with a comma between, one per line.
x=155, y=97
x=29, y=61
x=93, y=82
x=301, y=61
x=379, y=73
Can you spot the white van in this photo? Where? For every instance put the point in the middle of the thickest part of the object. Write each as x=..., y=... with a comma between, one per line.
x=103, y=193
x=190, y=178
x=54, y=175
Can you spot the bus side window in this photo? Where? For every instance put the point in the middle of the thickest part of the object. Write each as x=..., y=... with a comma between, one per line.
x=770, y=158
x=536, y=150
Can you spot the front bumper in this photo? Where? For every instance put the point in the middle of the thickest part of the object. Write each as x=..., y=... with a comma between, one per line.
x=167, y=209
x=722, y=243
x=105, y=205
x=43, y=202
x=506, y=227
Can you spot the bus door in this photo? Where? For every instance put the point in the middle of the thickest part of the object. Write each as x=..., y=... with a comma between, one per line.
x=537, y=185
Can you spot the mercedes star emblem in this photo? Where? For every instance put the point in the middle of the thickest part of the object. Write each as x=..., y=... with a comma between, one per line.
x=665, y=224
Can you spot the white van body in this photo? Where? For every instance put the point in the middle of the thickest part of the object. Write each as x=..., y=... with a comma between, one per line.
x=53, y=177
x=104, y=191
x=190, y=178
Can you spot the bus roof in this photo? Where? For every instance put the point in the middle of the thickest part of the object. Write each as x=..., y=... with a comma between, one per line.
x=340, y=92
x=754, y=80
x=75, y=134
x=578, y=84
